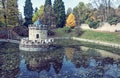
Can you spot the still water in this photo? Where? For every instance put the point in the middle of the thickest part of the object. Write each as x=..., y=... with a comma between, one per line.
x=67, y=62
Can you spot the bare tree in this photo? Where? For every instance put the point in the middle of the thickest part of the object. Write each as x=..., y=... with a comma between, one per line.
x=105, y=7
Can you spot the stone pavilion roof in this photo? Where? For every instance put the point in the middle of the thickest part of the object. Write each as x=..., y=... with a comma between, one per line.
x=37, y=23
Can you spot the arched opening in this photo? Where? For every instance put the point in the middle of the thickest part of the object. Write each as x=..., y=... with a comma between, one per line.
x=37, y=35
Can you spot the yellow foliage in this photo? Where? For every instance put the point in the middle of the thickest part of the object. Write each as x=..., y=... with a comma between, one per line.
x=70, y=22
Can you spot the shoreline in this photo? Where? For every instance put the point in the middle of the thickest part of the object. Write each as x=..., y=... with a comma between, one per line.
x=73, y=38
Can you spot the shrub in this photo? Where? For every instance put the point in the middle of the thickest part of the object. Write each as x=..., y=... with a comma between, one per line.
x=67, y=29
x=21, y=30
x=113, y=20
x=92, y=23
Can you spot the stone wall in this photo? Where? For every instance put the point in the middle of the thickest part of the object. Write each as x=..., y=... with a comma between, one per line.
x=103, y=27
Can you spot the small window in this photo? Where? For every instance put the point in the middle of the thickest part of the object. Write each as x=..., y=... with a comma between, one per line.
x=37, y=35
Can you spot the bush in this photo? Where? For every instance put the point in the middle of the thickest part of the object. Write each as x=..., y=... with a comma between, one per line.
x=51, y=33
x=67, y=29
x=92, y=23
x=113, y=20
x=21, y=30
x=1, y=24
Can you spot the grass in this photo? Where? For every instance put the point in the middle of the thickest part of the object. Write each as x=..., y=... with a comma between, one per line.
x=60, y=32
x=111, y=37
x=102, y=36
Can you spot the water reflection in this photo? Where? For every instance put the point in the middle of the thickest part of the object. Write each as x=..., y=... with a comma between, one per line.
x=68, y=62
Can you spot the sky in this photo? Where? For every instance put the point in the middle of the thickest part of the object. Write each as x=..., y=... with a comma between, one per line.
x=38, y=3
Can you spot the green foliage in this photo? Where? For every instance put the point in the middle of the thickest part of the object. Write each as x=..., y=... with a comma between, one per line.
x=48, y=13
x=47, y=2
x=28, y=12
x=1, y=24
x=69, y=11
x=67, y=29
x=59, y=10
x=12, y=12
x=113, y=20
x=92, y=23
x=101, y=36
x=81, y=12
x=38, y=13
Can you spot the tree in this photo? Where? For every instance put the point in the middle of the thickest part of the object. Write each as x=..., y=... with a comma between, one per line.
x=47, y=2
x=69, y=11
x=28, y=12
x=47, y=12
x=81, y=13
x=70, y=22
x=38, y=13
x=59, y=10
x=105, y=9
x=3, y=19
x=113, y=20
x=12, y=12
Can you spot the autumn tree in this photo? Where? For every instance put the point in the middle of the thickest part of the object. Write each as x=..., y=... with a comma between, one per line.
x=70, y=22
x=28, y=12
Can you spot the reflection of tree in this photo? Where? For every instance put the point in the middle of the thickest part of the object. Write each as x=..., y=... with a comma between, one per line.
x=69, y=53
x=79, y=57
x=39, y=61
x=9, y=65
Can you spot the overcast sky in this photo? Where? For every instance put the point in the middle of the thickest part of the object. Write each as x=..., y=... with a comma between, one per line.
x=38, y=3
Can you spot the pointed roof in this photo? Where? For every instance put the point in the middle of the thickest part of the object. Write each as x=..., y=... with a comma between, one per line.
x=37, y=22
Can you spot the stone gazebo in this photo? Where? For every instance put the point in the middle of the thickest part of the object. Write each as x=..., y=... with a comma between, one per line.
x=38, y=39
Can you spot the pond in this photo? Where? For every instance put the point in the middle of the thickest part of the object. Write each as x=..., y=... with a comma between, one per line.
x=64, y=62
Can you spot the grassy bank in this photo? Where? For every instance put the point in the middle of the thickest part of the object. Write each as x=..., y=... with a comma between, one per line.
x=60, y=32
x=111, y=37
x=101, y=36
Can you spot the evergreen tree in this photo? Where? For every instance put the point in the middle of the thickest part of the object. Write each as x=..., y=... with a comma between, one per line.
x=59, y=10
x=28, y=12
x=47, y=2
x=48, y=13
x=12, y=12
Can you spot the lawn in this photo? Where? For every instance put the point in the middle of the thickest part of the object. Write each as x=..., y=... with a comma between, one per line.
x=111, y=37
x=60, y=32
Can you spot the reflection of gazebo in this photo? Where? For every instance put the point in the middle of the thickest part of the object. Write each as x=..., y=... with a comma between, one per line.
x=37, y=61
x=37, y=39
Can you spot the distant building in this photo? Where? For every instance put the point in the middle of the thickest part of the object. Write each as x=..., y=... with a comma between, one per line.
x=38, y=39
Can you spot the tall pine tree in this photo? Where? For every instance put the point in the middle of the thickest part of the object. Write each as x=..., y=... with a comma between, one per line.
x=12, y=12
x=48, y=11
x=59, y=10
x=47, y=2
x=28, y=12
